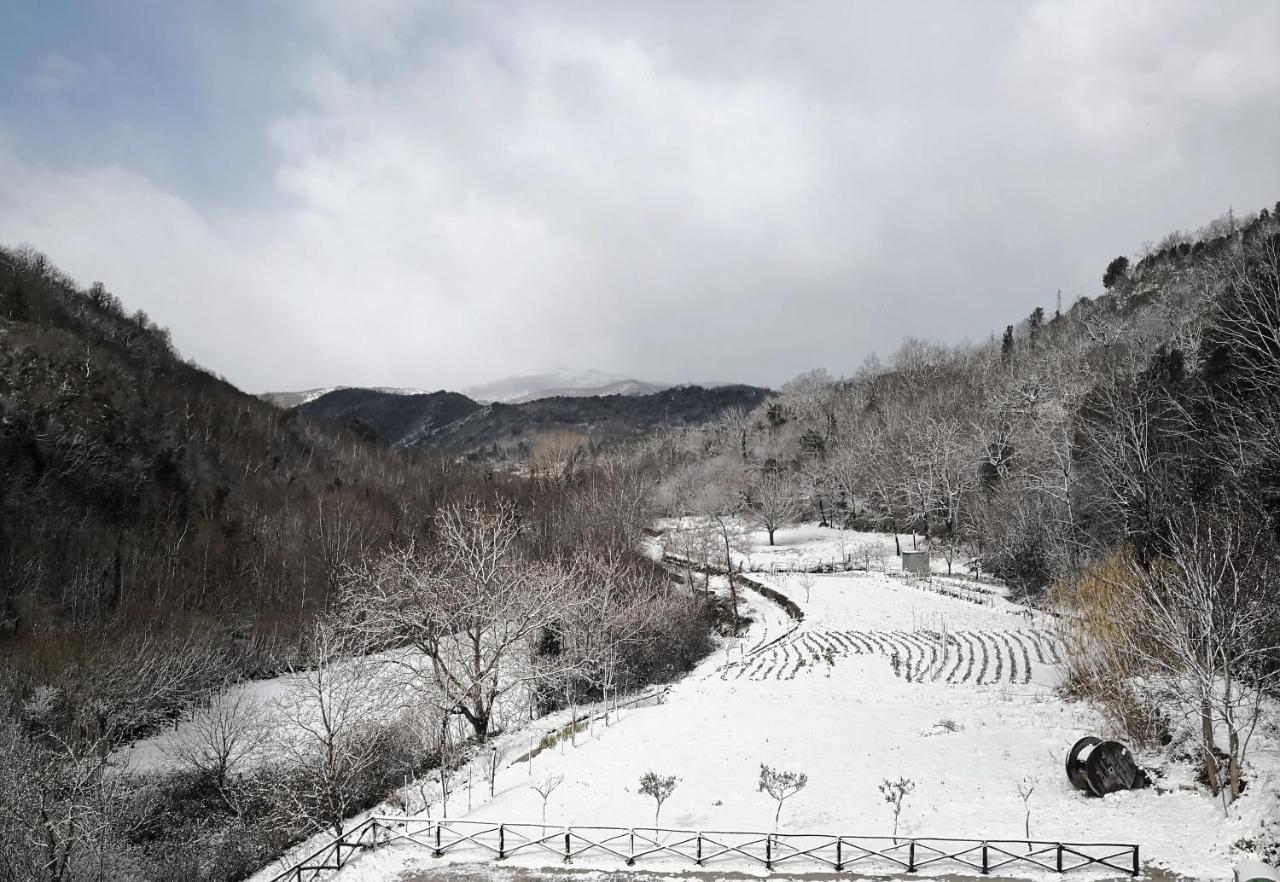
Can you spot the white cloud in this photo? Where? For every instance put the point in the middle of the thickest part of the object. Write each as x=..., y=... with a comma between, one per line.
x=675, y=192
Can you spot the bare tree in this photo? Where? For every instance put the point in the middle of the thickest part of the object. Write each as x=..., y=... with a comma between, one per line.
x=1207, y=624
x=221, y=735
x=327, y=744
x=555, y=456
x=1026, y=787
x=471, y=609
x=544, y=787
x=773, y=501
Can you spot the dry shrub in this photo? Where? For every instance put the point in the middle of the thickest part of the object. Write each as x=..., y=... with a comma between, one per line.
x=1098, y=627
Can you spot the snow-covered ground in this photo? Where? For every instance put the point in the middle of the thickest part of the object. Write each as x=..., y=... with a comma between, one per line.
x=804, y=547
x=939, y=681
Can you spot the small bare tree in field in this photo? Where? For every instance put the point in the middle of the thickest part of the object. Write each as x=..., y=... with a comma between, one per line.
x=659, y=787
x=868, y=552
x=895, y=793
x=1026, y=787
x=807, y=582
x=544, y=787
x=781, y=786
x=220, y=736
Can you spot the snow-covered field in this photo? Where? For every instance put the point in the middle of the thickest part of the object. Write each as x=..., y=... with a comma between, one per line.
x=807, y=546
x=939, y=681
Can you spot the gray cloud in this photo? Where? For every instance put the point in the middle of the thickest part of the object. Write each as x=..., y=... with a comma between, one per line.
x=678, y=191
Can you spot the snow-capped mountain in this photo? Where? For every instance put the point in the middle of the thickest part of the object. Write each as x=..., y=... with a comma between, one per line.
x=287, y=400
x=561, y=382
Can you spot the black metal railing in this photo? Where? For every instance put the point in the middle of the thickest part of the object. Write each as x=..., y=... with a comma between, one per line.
x=632, y=845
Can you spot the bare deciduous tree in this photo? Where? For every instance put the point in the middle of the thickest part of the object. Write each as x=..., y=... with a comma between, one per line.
x=221, y=735
x=544, y=787
x=773, y=501
x=471, y=609
x=327, y=744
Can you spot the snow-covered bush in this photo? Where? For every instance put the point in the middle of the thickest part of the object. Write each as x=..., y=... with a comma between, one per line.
x=781, y=786
x=895, y=793
x=659, y=787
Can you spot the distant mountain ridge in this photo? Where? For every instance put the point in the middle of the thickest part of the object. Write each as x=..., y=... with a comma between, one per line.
x=557, y=383
x=452, y=422
x=560, y=383
x=290, y=400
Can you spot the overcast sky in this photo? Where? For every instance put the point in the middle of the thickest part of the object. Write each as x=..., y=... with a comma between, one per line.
x=433, y=195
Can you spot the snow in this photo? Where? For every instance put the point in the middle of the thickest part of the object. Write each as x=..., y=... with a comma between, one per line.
x=279, y=704
x=810, y=546
x=884, y=677
x=561, y=381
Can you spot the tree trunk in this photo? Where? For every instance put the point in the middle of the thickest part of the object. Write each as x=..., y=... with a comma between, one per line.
x=1206, y=737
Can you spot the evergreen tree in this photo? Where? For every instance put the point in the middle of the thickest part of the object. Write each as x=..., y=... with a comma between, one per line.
x=13, y=301
x=1006, y=345
x=1116, y=270
x=1035, y=322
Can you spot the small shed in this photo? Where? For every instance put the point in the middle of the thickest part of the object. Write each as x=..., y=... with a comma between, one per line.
x=916, y=562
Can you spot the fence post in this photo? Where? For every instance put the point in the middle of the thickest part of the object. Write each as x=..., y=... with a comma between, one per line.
x=566, y=846
x=699, y=861
x=986, y=868
x=768, y=851
x=839, y=855
x=1136, y=865
x=631, y=850
x=438, y=852
x=1059, y=857
x=911, y=856
x=502, y=841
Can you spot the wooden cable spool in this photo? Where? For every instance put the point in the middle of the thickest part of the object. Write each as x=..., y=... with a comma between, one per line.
x=1076, y=762
x=1100, y=767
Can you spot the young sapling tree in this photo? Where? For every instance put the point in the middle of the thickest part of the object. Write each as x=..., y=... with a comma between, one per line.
x=659, y=787
x=1027, y=786
x=544, y=787
x=895, y=793
x=781, y=786
x=491, y=764
x=807, y=582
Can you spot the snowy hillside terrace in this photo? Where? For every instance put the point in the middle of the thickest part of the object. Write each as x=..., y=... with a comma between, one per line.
x=942, y=683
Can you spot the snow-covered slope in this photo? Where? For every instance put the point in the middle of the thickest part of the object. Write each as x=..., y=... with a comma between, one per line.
x=287, y=400
x=942, y=681
x=561, y=382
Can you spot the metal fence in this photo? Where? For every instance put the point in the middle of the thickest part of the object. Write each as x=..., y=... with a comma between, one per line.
x=632, y=845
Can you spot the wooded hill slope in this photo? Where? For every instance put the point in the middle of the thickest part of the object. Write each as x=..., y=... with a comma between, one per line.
x=453, y=424
x=140, y=494
x=1057, y=442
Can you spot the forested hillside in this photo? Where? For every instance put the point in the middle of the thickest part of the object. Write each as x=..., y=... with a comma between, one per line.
x=164, y=535
x=138, y=489
x=449, y=423
x=1119, y=462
